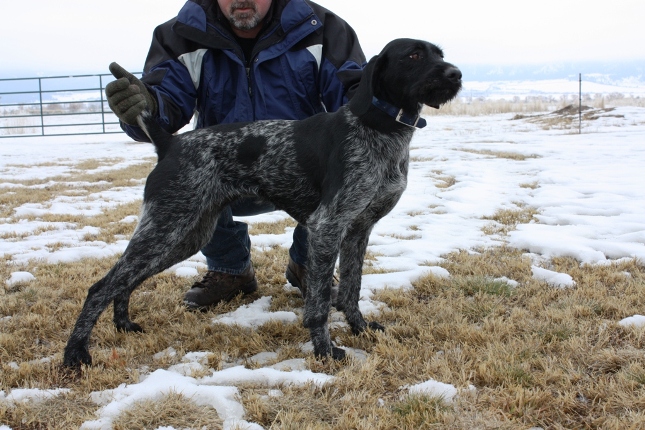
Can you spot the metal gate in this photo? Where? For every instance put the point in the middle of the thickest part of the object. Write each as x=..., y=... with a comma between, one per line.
x=56, y=106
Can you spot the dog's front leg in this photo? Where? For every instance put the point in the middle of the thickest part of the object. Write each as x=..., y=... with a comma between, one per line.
x=352, y=255
x=324, y=240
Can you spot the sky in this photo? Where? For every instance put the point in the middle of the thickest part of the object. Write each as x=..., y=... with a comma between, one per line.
x=44, y=38
x=579, y=216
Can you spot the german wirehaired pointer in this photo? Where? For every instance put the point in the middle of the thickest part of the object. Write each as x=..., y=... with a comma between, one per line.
x=337, y=173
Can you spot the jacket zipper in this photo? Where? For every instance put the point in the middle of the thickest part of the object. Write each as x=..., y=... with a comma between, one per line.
x=248, y=80
x=254, y=53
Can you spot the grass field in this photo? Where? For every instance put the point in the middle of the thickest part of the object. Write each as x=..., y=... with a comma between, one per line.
x=537, y=356
x=519, y=355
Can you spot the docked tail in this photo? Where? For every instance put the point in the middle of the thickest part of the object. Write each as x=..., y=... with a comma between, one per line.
x=131, y=102
x=158, y=136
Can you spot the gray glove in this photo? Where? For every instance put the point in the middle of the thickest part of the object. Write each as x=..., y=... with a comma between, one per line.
x=128, y=96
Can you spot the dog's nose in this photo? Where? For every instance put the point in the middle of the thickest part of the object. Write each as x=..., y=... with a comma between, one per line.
x=453, y=73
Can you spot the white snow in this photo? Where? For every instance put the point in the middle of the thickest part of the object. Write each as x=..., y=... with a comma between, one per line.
x=216, y=390
x=435, y=389
x=32, y=394
x=635, y=321
x=186, y=272
x=20, y=277
x=255, y=314
x=589, y=193
x=432, y=388
x=154, y=387
x=555, y=279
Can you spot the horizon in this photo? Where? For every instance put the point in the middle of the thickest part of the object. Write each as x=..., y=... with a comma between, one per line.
x=482, y=71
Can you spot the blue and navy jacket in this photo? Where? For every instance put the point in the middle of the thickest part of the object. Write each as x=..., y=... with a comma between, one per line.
x=306, y=60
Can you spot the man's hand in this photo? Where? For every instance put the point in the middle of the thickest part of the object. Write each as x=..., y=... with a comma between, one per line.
x=128, y=96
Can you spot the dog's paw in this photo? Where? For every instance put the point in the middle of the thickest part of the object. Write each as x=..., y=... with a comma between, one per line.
x=374, y=326
x=128, y=326
x=76, y=357
x=357, y=329
x=338, y=354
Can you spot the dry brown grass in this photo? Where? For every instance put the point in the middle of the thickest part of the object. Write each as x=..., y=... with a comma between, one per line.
x=509, y=155
x=536, y=355
x=272, y=227
x=173, y=409
x=532, y=185
x=506, y=220
x=443, y=181
x=482, y=106
x=478, y=107
x=66, y=411
x=568, y=117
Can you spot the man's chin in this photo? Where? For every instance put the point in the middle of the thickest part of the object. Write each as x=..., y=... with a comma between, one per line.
x=245, y=22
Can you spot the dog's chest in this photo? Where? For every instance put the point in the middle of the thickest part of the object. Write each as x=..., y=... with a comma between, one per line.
x=377, y=177
x=384, y=162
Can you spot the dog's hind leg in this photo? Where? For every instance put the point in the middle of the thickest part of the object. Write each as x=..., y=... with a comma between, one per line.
x=352, y=255
x=158, y=243
x=120, y=281
x=122, y=315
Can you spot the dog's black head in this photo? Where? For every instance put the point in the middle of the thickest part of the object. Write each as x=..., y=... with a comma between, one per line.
x=407, y=73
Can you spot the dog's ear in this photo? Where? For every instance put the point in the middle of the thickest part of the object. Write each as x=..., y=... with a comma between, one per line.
x=362, y=100
x=379, y=84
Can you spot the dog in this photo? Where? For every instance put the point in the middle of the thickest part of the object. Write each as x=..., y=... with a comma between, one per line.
x=336, y=173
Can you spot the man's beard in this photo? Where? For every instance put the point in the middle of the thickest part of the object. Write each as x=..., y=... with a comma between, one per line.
x=244, y=20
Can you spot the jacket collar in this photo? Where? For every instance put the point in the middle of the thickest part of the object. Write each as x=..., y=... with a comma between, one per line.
x=202, y=21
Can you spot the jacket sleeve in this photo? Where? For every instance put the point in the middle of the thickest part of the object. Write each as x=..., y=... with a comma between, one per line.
x=169, y=81
x=342, y=62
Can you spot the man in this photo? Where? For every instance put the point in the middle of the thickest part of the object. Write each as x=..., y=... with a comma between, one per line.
x=230, y=61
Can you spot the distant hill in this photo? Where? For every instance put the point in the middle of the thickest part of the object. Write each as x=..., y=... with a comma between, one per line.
x=624, y=73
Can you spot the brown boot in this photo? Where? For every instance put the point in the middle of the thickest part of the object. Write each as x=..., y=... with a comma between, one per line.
x=296, y=275
x=220, y=287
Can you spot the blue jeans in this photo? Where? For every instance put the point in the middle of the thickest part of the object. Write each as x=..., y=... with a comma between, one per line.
x=229, y=250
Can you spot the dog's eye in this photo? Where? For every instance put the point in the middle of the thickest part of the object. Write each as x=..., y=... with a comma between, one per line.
x=415, y=56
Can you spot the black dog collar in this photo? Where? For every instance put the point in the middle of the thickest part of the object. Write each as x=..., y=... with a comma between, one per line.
x=399, y=115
